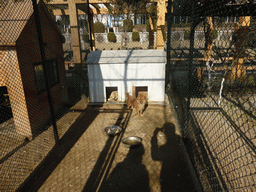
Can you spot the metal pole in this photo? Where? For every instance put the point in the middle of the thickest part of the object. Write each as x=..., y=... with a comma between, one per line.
x=43, y=57
x=90, y=25
x=168, y=43
x=191, y=55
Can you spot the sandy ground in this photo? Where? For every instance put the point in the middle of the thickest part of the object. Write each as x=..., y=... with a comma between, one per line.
x=86, y=159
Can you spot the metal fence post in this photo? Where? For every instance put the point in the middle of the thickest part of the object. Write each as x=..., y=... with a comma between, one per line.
x=43, y=57
x=191, y=55
x=168, y=43
x=90, y=25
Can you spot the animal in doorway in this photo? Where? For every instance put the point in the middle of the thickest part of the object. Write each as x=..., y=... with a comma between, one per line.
x=136, y=103
x=113, y=96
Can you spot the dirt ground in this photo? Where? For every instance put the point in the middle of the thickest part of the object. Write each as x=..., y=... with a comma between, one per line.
x=97, y=162
x=86, y=159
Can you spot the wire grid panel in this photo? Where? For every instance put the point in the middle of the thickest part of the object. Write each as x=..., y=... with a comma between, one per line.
x=25, y=122
x=214, y=91
x=33, y=148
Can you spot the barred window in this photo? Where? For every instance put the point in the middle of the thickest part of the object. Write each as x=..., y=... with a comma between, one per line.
x=52, y=71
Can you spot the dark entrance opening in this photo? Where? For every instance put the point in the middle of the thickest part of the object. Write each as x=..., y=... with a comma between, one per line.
x=142, y=90
x=113, y=91
x=5, y=106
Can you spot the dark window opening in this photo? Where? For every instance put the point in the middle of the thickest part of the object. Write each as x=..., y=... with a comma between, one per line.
x=111, y=93
x=52, y=71
x=5, y=106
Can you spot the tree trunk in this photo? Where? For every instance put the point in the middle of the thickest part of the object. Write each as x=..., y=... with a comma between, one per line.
x=151, y=33
x=238, y=69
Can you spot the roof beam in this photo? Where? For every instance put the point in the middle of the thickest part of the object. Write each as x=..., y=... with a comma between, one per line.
x=65, y=2
x=97, y=7
x=66, y=12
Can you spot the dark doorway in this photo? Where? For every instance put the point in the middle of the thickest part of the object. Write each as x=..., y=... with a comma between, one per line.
x=142, y=90
x=109, y=91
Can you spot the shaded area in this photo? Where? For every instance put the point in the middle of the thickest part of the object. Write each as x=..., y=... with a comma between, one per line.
x=88, y=160
x=5, y=107
x=129, y=175
x=203, y=158
x=173, y=176
x=59, y=151
x=107, y=155
x=218, y=137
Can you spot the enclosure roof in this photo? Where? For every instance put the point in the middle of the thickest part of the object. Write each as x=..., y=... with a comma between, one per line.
x=126, y=56
x=14, y=16
x=220, y=8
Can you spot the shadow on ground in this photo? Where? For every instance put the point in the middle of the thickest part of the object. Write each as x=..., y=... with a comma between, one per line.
x=59, y=151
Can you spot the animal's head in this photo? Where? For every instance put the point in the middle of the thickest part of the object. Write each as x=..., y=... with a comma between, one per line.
x=141, y=98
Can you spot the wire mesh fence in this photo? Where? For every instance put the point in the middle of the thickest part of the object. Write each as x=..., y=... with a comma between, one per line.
x=37, y=89
x=212, y=71
x=44, y=93
x=51, y=140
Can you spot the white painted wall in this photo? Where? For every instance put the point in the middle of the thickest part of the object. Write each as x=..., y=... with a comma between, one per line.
x=126, y=75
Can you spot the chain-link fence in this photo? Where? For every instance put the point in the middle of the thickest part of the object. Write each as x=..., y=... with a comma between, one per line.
x=37, y=87
x=44, y=93
x=211, y=66
x=51, y=139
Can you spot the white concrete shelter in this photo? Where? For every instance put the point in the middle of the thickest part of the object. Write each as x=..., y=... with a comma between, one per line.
x=126, y=70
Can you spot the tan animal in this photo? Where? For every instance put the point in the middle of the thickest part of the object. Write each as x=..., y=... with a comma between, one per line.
x=141, y=99
x=136, y=103
x=113, y=96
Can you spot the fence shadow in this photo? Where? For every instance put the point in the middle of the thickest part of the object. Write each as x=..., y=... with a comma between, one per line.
x=107, y=155
x=59, y=151
x=202, y=157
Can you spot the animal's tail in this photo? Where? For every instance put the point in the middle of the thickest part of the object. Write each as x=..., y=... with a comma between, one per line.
x=127, y=95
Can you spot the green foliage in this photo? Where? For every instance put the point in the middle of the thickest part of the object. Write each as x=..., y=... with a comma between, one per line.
x=127, y=7
x=127, y=25
x=85, y=37
x=99, y=27
x=111, y=37
x=135, y=36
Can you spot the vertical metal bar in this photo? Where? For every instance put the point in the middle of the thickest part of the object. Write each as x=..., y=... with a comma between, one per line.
x=168, y=43
x=43, y=57
x=191, y=55
x=90, y=25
